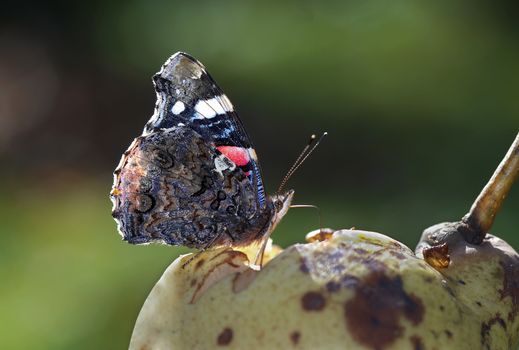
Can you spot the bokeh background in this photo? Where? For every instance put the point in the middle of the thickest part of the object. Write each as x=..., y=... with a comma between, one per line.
x=419, y=99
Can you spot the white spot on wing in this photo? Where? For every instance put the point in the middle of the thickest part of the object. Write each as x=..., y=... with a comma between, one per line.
x=226, y=103
x=252, y=154
x=222, y=163
x=212, y=107
x=178, y=108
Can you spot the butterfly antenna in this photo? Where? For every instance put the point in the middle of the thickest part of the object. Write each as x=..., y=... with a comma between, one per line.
x=285, y=179
x=301, y=158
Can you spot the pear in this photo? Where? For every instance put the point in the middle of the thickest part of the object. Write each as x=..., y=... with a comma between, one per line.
x=348, y=289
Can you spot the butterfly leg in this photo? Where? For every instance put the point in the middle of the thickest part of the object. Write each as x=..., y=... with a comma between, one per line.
x=258, y=261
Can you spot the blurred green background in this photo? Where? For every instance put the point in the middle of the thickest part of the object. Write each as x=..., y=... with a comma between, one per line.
x=419, y=99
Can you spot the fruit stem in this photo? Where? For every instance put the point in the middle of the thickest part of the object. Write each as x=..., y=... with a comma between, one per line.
x=483, y=212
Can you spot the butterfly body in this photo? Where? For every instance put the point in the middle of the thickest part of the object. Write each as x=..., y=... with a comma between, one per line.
x=192, y=178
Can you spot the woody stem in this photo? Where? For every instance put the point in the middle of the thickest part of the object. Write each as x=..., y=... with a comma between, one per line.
x=483, y=212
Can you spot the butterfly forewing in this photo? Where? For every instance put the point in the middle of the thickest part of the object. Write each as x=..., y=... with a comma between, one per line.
x=188, y=96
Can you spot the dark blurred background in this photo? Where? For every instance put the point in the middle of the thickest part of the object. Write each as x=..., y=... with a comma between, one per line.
x=419, y=99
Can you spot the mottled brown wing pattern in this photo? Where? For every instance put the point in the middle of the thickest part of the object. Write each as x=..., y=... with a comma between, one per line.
x=172, y=186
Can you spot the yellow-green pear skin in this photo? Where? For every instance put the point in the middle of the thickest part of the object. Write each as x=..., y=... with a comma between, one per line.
x=352, y=290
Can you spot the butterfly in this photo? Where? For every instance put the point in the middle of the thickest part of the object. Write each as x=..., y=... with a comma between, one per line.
x=193, y=178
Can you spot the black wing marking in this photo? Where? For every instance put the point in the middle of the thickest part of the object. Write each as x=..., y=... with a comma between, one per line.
x=188, y=95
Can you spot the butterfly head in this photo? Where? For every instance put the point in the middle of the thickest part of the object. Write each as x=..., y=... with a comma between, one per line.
x=281, y=204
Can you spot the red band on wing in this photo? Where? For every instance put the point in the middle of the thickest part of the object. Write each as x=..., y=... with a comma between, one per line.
x=239, y=155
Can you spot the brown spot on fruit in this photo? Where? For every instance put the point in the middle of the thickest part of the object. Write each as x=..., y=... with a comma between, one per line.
x=448, y=333
x=397, y=254
x=372, y=315
x=413, y=309
x=486, y=327
x=199, y=263
x=374, y=264
x=225, y=337
x=417, y=343
x=360, y=251
x=437, y=256
x=224, y=263
x=313, y=301
x=303, y=266
x=193, y=282
x=510, y=289
x=295, y=336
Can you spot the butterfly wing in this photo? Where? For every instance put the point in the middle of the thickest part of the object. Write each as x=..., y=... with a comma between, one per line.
x=188, y=96
x=172, y=186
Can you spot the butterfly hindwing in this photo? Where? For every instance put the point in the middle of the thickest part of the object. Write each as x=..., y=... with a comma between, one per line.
x=173, y=187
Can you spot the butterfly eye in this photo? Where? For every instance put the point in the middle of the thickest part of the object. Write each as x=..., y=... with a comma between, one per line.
x=278, y=204
x=163, y=159
x=144, y=203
